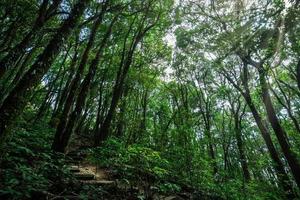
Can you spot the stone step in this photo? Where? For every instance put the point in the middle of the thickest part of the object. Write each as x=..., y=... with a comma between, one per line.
x=173, y=198
x=73, y=161
x=99, y=182
x=74, y=169
x=84, y=176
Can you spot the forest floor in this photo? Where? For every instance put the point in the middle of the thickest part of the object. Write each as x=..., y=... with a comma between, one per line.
x=89, y=174
x=29, y=169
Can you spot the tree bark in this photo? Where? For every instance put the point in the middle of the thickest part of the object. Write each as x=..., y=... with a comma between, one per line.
x=47, y=100
x=298, y=74
x=17, y=99
x=241, y=149
x=61, y=99
x=118, y=87
x=278, y=130
x=59, y=140
x=65, y=135
x=278, y=165
x=20, y=48
x=282, y=176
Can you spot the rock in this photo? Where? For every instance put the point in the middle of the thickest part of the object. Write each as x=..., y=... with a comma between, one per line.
x=173, y=198
x=74, y=169
x=100, y=182
x=85, y=176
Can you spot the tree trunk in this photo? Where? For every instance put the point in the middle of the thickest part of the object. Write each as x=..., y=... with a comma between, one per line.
x=121, y=121
x=65, y=91
x=100, y=112
x=282, y=176
x=59, y=139
x=64, y=136
x=143, y=124
x=298, y=74
x=47, y=100
x=17, y=99
x=121, y=76
x=278, y=130
x=278, y=165
x=20, y=48
x=241, y=149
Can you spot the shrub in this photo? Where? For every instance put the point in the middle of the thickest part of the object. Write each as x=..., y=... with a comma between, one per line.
x=29, y=166
x=133, y=165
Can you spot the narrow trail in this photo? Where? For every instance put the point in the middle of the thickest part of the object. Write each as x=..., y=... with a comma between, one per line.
x=88, y=173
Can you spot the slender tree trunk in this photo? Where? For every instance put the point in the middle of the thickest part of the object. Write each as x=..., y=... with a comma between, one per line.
x=17, y=99
x=47, y=100
x=243, y=159
x=59, y=139
x=8, y=36
x=104, y=129
x=279, y=131
x=211, y=151
x=298, y=74
x=121, y=76
x=64, y=136
x=278, y=165
x=99, y=117
x=287, y=106
x=65, y=91
x=121, y=122
x=282, y=176
x=143, y=125
x=20, y=48
x=117, y=93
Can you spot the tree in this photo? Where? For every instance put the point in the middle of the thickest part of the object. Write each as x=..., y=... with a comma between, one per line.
x=18, y=97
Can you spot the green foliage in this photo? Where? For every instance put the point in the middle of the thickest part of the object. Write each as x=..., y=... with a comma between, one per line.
x=169, y=187
x=133, y=164
x=180, y=111
x=29, y=167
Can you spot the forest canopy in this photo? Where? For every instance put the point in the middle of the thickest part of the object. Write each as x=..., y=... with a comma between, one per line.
x=149, y=99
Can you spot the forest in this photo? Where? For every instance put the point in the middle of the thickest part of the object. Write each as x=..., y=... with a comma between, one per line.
x=150, y=99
